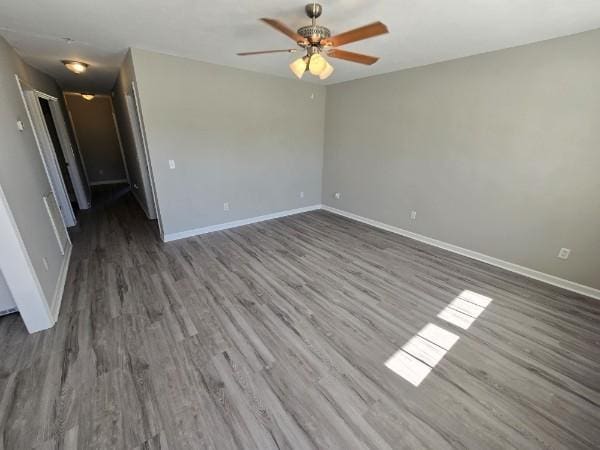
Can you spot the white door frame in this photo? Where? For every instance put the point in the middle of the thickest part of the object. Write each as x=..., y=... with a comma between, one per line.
x=81, y=193
x=78, y=145
x=46, y=148
x=140, y=118
x=114, y=116
x=140, y=154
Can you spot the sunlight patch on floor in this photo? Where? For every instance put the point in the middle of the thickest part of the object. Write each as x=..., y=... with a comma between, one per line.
x=464, y=309
x=421, y=353
x=425, y=350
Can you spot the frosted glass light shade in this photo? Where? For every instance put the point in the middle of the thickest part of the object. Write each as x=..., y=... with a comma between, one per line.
x=298, y=67
x=326, y=72
x=317, y=64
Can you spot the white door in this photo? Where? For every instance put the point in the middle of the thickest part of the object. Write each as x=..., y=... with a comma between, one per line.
x=46, y=149
x=58, y=226
x=81, y=193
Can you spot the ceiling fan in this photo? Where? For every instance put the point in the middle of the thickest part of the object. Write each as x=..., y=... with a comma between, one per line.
x=316, y=40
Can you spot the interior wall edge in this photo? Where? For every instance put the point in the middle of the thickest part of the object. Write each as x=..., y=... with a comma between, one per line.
x=495, y=152
x=512, y=267
x=130, y=59
x=226, y=132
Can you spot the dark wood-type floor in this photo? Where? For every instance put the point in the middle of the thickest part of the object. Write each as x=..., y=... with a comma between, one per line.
x=276, y=335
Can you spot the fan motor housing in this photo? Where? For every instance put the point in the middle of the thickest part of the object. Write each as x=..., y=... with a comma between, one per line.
x=314, y=33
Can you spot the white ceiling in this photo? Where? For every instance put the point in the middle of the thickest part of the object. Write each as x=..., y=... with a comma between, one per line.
x=421, y=31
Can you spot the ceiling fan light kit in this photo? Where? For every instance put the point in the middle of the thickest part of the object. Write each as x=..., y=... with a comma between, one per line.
x=298, y=66
x=326, y=72
x=317, y=41
x=317, y=64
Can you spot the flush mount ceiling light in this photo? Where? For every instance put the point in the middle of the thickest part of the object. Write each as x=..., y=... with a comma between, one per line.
x=317, y=41
x=75, y=66
x=88, y=97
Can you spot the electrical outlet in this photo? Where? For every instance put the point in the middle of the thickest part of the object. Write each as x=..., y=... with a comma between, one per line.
x=564, y=253
x=45, y=263
x=302, y=194
x=337, y=195
x=413, y=215
x=20, y=125
x=171, y=164
x=226, y=206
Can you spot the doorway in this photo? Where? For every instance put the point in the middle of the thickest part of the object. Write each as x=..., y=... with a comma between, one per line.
x=96, y=133
x=62, y=163
x=52, y=139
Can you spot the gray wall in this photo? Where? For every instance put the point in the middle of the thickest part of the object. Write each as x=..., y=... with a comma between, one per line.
x=97, y=138
x=135, y=158
x=22, y=174
x=498, y=153
x=255, y=141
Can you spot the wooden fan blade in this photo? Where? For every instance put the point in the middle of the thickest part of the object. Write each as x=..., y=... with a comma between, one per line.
x=283, y=28
x=351, y=56
x=287, y=50
x=358, y=34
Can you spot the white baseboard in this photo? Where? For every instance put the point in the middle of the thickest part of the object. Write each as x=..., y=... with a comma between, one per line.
x=531, y=273
x=100, y=183
x=236, y=223
x=60, y=285
x=11, y=310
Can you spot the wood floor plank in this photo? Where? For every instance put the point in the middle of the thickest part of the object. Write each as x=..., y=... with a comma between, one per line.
x=280, y=335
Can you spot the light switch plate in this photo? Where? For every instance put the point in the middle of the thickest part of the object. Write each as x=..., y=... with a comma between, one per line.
x=171, y=164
